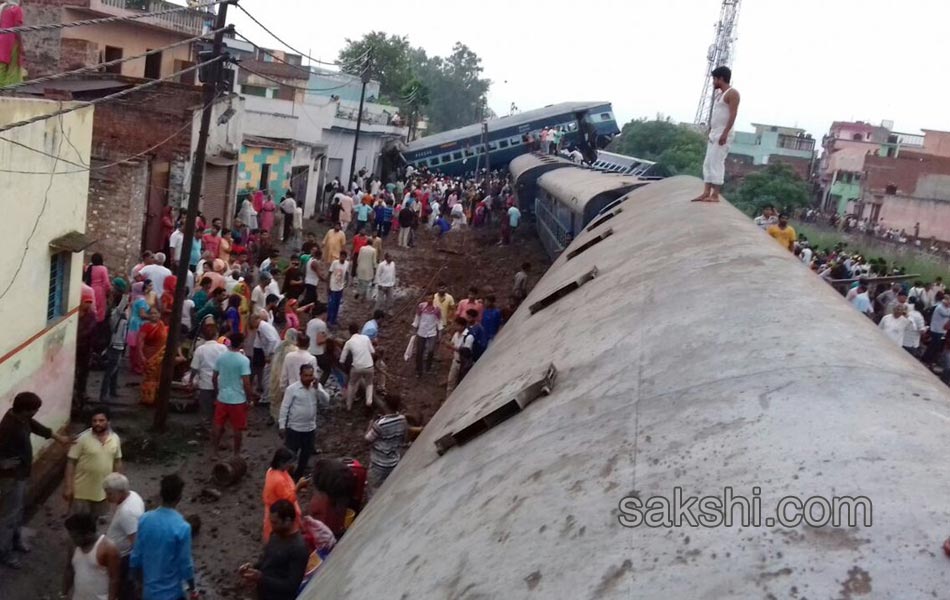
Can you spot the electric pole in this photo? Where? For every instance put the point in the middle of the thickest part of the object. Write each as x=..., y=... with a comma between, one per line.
x=365, y=77
x=212, y=84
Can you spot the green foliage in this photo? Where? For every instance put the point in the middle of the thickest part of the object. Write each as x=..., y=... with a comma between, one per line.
x=449, y=91
x=390, y=62
x=678, y=148
x=778, y=185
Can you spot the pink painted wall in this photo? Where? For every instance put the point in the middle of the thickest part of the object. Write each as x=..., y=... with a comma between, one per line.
x=903, y=213
x=937, y=142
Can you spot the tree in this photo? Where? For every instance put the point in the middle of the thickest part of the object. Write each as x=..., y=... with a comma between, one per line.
x=778, y=184
x=679, y=149
x=390, y=65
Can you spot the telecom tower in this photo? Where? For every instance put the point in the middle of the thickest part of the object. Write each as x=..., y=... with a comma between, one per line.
x=721, y=53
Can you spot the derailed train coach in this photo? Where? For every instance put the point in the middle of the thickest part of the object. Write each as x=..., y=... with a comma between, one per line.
x=672, y=352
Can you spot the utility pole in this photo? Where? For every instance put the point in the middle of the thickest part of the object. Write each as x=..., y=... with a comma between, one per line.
x=210, y=91
x=364, y=76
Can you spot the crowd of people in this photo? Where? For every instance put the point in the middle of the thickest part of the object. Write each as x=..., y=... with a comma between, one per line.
x=260, y=326
x=912, y=313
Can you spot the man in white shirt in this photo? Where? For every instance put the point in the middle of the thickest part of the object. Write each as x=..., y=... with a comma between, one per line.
x=806, y=256
x=297, y=422
x=287, y=208
x=895, y=325
x=385, y=283
x=266, y=340
x=360, y=347
x=428, y=326
x=339, y=275
x=912, y=336
x=202, y=366
x=317, y=333
x=174, y=243
x=294, y=360
x=157, y=273
x=265, y=288
x=129, y=507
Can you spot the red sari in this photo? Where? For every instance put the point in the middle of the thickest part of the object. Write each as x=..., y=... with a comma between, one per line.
x=152, y=338
x=168, y=298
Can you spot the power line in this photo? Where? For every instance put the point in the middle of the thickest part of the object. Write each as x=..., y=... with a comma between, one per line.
x=277, y=81
x=85, y=168
x=84, y=104
x=279, y=39
x=39, y=217
x=99, y=66
x=301, y=67
x=51, y=26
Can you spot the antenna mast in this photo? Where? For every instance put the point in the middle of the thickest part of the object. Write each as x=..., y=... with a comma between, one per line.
x=721, y=53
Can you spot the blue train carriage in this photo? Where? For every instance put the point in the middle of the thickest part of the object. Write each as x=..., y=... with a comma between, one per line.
x=525, y=171
x=460, y=151
x=568, y=200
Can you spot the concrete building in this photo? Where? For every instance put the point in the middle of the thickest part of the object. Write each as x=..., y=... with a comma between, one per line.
x=773, y=140
x=299, y=134
x=57, y=50
x=41, y=255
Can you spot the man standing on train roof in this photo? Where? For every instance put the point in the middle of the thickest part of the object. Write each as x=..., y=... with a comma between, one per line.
x=724, y=112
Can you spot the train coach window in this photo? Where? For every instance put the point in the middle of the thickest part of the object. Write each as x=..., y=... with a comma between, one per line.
x=456, y=156
x=469, y=152
x=562, y=291
x=605, y=117
x=433, y=161
x=515, y=141
x=503, y=144
x=572, y=126
x=492, y=146
x=589, y=244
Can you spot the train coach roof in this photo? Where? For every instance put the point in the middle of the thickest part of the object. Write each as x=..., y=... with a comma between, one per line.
x=578, y=187
x=535, y=162
x=703, y=355
x=502, y=123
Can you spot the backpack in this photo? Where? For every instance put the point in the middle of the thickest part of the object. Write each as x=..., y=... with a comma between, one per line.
x=480, y=342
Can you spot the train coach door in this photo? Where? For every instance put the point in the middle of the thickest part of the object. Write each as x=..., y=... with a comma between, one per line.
x=586, y=137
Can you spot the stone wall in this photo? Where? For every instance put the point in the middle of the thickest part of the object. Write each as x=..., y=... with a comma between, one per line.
x=116, y=213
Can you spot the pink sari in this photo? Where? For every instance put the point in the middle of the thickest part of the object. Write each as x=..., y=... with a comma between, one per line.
x=101, y=286
x=267, y=215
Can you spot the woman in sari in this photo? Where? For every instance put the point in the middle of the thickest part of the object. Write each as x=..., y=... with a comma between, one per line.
x=152, y=338
x=168, y=298
x=97, y=277
x=277, y=368
x=233, y=314
x=244, y=291
x=224, y=248
x=279, y=485
x=267, y=214
x=138, y=313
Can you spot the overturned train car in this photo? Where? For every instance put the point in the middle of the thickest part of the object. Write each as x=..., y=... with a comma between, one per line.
x=672, y=350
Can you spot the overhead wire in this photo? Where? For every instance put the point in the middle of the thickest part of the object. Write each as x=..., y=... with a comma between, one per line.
x=301, y=67
x=79, y=105
x=303, y=89
x=39, y=217
x=103, y=20
x=105, y=166
x=111, y=63
x=281, y=40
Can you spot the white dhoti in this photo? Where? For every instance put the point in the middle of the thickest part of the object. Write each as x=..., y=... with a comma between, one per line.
x=714, y=167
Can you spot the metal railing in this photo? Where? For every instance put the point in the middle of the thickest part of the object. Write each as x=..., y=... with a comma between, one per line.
x=187, y=21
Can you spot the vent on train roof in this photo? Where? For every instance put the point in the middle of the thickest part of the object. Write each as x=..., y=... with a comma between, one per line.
x=590, y=243
x=562, y=291
x=541, y=384
x=604, y=219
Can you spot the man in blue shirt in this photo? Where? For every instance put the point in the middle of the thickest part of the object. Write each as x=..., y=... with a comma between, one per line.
x=232, y=382
x=363, y=211
x=371, y=327
x=161, y=557
x=491, y=319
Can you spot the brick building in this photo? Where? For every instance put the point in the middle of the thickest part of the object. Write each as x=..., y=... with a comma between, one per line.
x=156, y=127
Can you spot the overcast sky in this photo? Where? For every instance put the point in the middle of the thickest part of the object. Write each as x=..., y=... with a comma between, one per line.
x=799, y=63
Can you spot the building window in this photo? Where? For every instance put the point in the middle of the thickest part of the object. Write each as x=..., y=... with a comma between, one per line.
x=112, y=53
x=153, y=66
x=58, y=296
x=857, y=137
x=890, y=190
x=254, y=90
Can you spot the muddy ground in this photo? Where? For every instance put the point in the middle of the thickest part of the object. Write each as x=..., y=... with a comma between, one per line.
x=230, y=533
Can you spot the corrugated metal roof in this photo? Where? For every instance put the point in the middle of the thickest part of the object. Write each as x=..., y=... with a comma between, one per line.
x=502, y=123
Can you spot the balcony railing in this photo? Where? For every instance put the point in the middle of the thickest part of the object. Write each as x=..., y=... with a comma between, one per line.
x=188, y=21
